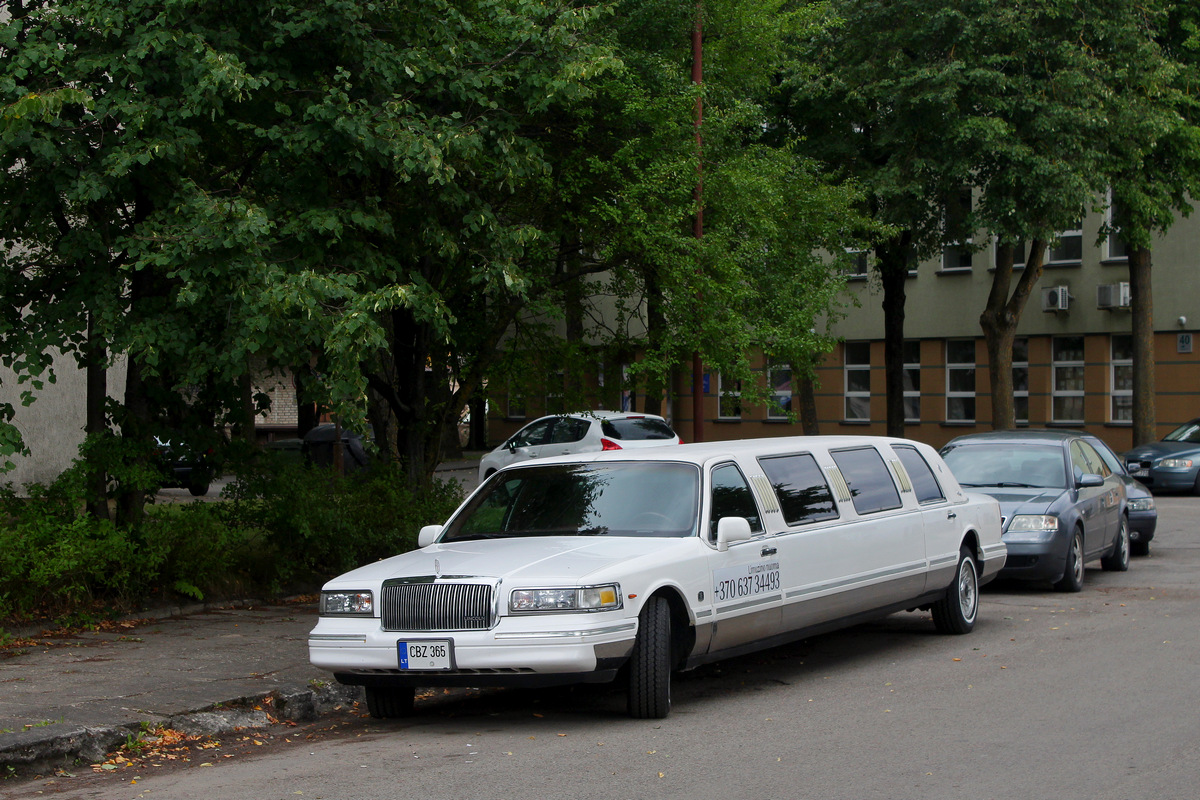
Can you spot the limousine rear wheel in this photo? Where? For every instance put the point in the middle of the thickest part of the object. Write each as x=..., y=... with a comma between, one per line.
x=650, y=663
x=955, y=613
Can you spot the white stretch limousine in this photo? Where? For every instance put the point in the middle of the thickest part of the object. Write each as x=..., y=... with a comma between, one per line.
x=639, y=563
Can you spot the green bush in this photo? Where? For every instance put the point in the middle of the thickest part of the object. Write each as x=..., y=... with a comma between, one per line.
x=318, y=525
x=283, y=527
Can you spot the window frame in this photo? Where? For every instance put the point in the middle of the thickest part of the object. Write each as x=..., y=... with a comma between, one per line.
x=773, y=407
x=1021, y=394
x=1115, y=394
x=912, y=368
x=849, y=367
x=1057, y=394
x=734, y=394
x=959, y=394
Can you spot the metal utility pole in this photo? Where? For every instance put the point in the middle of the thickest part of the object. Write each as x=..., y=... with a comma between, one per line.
x=698, y=224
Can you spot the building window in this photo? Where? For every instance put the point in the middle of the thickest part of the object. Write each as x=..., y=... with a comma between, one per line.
x=1068, y=249
x=958, y=219
x=729, y=398
x=1116, y=249
x=1067, y=381
x=1121, y=378
x=1019, y=253
x=516, y=404
x=960, y=380
x=1020, y=379
x=858, y=381
x=857, y=264
x=912, y=381
x=779, y=377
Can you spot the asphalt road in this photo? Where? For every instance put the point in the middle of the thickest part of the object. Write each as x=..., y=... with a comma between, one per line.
x=1052, y=696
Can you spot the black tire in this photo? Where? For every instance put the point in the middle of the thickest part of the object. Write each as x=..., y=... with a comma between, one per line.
x=1196, y=485
x=1118, y=559
x=390, y=702
x=649, y=694
x=1140, y=548
x=1072, y=579
x=955, y=613
x=198, y=489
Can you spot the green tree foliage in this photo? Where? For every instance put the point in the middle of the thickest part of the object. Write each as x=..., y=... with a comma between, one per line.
x=388, y=198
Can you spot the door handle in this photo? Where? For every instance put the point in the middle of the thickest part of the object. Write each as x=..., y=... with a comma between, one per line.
x=769, y=551
x=951, y=515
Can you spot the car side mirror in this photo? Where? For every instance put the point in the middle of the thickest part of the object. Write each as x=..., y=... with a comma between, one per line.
x=732, y=529
x=1090, y=480
x=511, y=444
x=428, y=535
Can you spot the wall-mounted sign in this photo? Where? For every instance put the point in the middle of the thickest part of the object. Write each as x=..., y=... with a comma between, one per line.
x=1184, y=343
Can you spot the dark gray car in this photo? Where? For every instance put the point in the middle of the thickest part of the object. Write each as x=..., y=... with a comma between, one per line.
x=1061, y=504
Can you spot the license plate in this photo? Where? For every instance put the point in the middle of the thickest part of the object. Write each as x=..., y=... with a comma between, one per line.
x=1140, y=473
x=425, y=654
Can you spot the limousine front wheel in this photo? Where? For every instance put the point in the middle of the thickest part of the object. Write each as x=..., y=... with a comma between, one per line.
x=650, y=663
x=956, y=612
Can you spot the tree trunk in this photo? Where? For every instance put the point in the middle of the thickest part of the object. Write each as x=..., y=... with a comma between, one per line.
x=97, y=420
x=999, y=323
x=895, y=257
x=1145, y=418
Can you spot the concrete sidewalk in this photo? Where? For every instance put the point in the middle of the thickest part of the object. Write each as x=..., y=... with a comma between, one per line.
x=68, y=699
x=203, y=669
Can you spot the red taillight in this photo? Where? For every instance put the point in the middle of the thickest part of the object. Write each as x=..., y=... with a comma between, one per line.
x=609, y=444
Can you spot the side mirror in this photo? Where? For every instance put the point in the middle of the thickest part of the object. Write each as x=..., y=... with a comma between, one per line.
x=428, y=535
x=511, y=444
x=732, y=529
x=1089, y=480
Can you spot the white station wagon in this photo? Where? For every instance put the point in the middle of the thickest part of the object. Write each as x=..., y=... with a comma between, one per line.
x=631, y=565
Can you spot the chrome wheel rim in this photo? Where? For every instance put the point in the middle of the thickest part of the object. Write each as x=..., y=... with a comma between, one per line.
x=968, y=590
x=1077, y=555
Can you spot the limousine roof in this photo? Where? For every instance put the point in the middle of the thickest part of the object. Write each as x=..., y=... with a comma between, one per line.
x=706, y=452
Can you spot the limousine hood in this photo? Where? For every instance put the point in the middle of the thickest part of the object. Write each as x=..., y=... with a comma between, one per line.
x=550, y=559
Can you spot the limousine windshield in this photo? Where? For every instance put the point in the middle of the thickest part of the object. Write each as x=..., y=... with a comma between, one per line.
x=644, y=499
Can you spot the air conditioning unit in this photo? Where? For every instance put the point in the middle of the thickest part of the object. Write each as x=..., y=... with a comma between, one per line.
x=1056, y=298
x=1112, y=295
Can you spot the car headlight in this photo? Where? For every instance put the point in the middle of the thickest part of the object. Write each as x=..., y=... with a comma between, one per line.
x=1032, y=528
x=347, y=604
x=606, y=597
x=1176, y=463
x=1141, y=504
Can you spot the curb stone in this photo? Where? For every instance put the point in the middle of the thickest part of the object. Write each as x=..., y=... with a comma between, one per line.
x=42, y=750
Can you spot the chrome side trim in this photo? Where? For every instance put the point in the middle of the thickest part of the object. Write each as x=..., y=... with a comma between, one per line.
x=338, y=637
x=841, y=584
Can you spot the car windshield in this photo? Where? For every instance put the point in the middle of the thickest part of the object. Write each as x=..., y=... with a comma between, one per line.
x=1188, y=432
x=636, y=428
x=645, y=499
x=1007, y=465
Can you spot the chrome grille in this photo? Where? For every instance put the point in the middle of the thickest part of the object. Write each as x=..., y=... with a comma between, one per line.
x=429, y=606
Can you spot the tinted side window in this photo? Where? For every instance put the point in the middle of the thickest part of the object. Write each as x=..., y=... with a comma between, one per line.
x=870, y=482
x=803, y=494
x=568, y=429
x=924, y=483
x=533, y=434
x=731, y=497
x=637, y=428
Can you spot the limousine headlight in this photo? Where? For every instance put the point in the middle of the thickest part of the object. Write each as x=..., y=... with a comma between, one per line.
x=347, y=604
x=1032, y=528
x=584, y=598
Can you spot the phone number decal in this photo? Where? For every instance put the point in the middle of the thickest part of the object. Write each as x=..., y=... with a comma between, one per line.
x=748, y=580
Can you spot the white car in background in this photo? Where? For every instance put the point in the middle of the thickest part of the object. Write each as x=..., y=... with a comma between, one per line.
x=634, y=564
x=582, y=432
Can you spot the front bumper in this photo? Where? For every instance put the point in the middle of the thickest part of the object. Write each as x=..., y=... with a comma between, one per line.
x=1167, y=480
x=1142, y=525
x=520, y=651
x=1037, y=561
